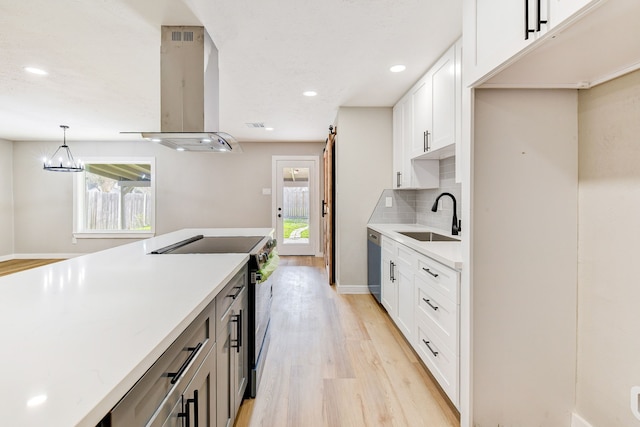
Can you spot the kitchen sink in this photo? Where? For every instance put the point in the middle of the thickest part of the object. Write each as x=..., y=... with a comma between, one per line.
x=428, y=236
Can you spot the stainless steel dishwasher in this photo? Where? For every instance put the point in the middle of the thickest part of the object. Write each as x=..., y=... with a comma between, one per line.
x=374, y=263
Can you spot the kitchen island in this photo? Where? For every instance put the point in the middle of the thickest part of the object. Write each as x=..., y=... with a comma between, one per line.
x=78, y=334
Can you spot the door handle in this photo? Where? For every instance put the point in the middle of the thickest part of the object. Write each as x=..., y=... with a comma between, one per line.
x=324, y=204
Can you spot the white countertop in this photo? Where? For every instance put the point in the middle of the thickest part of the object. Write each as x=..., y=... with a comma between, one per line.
x=447, y=253
x=82, y=331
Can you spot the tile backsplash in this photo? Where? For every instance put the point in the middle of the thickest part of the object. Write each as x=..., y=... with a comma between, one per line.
x=414, y=206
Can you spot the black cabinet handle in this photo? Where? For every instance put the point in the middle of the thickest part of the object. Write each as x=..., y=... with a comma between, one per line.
x=234, y=296
x=175, y=376
x=435, y=353
x=435, y=307
x=526, y=20
x=195, y=407
x=237, y=319
x=538, y=20
x=398, y=179
x=323, y=208
x=430, y=272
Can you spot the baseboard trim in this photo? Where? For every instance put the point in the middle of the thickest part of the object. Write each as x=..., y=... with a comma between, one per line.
x=578, y=421
x=354, y=289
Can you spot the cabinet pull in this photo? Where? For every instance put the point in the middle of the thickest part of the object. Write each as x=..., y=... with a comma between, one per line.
x=526, y=20
x=435, y=353
x=398, y=185
x=195, y=407
x=430, y=272
x=392, y=273
x=175, y=376
x=234, y=296
x=426, y=140
x=538, y=20
x=237, y=318
x=435, y=307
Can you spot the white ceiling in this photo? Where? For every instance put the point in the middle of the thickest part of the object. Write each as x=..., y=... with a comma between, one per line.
x=103, y=59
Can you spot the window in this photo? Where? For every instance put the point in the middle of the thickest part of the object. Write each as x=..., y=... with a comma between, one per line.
x=115, y=198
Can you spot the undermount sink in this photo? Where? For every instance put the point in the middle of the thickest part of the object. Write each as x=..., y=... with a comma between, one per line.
x=428, y=236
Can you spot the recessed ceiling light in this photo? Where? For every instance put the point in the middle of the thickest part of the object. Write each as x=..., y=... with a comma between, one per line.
x=310, y=93
x=34, y=70
x=268, y=129
x=156, y=140
x=397, y=68
x=180, y=149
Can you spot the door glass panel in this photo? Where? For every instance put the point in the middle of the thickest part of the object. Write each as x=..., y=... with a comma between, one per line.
x=295, y=205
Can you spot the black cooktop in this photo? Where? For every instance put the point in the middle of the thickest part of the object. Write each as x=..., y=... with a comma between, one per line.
x=212, y=245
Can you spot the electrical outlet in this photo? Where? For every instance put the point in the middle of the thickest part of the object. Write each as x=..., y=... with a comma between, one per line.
x=388, y=202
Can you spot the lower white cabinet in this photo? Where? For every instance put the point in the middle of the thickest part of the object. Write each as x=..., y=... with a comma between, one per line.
x=397, y=285
x=421, y=297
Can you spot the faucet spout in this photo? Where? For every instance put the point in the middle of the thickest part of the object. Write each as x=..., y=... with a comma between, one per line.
x=455, y=226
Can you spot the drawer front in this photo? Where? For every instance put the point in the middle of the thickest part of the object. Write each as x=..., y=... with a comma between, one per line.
x=441, y=361
x=165, y=380
x=439, y=312
x=388, y=244
x=406, y=256
x=227, y=296
x=442, y=278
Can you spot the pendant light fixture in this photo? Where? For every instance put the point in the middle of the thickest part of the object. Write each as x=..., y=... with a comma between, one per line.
x=62, y=160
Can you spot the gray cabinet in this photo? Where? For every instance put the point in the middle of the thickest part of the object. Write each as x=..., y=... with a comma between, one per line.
x=232, y=364
x=159, y=398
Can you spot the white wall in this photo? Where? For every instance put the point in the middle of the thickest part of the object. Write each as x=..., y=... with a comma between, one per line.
x=524, y=249
x=6, y=198
x=193, y=190
x=609, y=236
x=363, y=169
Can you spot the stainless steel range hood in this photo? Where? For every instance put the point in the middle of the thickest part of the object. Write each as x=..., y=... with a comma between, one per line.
x=189, y=93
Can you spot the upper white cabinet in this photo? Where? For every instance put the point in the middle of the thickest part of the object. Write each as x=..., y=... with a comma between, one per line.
x=409, y=174
x=498, y=32
x=427, y=123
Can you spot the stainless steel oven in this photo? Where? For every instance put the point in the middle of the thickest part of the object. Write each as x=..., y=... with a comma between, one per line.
x=260, y=288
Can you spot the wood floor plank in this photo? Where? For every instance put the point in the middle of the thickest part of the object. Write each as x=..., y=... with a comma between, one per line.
x=17, y=265
x=338, y=360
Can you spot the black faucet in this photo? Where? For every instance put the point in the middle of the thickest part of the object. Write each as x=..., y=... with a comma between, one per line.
x=455, y=227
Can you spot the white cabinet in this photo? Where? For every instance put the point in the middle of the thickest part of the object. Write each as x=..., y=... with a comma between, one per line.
x=496, y=31
x=389, y=292
x=421, y=97
x=436, y=100
x=408, y=173
x=437, y=322
x=397, y=285
x=427, y=123
x=421, y=297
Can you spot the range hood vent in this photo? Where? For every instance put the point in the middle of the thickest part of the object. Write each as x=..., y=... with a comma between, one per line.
x=189, y=93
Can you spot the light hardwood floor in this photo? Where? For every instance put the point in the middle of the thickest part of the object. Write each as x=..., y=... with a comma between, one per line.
x=15, y=265
x=338, y=360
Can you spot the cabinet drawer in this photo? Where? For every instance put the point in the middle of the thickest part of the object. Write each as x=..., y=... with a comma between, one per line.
x=439, y=312
x=166, y=379
x=441, y=361
x=442, y=278
x=227, y=296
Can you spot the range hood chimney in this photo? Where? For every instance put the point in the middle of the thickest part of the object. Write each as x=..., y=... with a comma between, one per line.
x=189, y=93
